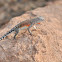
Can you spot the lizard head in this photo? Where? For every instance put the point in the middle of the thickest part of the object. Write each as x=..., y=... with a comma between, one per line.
x=39, y=19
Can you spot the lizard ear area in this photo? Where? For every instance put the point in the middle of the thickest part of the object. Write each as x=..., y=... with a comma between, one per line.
x=41, y=18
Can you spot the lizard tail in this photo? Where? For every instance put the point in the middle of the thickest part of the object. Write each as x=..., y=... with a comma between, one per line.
x=6, y=34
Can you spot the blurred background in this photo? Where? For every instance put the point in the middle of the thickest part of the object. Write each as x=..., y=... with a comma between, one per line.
x=12, y=8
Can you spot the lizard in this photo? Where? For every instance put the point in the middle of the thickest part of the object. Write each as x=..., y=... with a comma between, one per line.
x=22, y=25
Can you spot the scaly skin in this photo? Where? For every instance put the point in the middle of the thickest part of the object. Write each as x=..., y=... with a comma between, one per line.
x=25, y=24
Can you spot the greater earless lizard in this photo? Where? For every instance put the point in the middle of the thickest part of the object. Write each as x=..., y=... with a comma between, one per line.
x=24, y=24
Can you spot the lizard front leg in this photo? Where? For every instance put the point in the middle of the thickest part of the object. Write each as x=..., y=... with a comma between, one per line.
x=16, y=32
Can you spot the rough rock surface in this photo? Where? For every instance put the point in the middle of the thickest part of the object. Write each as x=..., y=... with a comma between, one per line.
x=45, y=45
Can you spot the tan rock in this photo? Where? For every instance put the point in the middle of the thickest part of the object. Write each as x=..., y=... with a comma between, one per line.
x=44, y=46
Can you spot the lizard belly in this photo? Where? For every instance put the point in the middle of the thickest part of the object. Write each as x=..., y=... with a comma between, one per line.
x=24, y=27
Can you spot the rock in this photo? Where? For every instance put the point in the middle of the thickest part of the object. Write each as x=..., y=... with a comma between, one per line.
x=45, y=45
